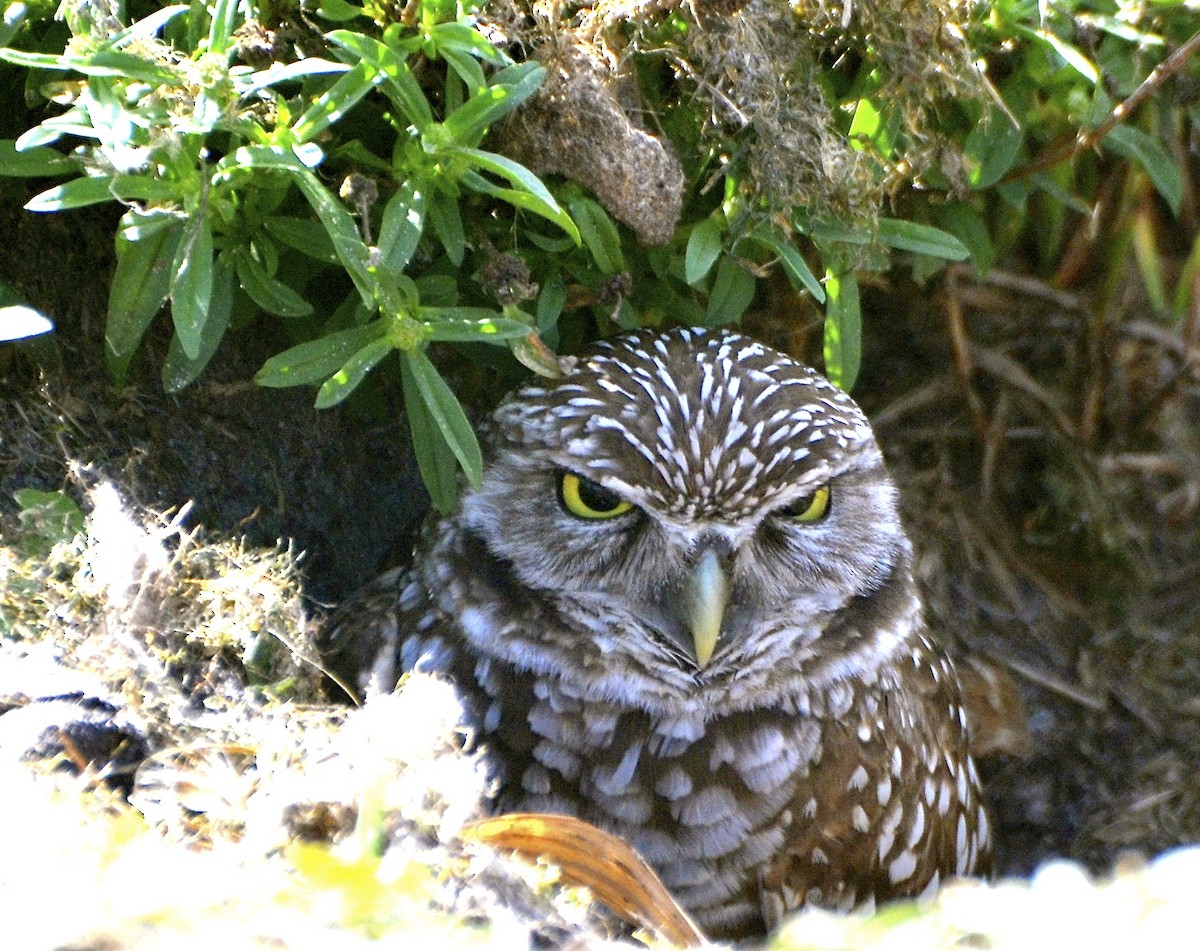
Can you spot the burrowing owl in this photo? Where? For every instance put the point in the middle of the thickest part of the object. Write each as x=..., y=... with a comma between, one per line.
x=681, y=606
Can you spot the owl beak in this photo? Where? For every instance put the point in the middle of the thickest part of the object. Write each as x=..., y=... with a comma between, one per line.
x=706, y=595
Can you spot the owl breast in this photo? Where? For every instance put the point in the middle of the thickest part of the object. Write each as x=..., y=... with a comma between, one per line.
x=681, y=607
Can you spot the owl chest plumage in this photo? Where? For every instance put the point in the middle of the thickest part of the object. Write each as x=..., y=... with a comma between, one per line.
x=680, y=604
x=745, y=811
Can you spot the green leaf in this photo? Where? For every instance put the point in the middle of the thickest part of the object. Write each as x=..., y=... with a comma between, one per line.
x=434, y=458
x=991, y=149
x=402, y=226
x=599, y=234
x=338, y=224
x=921, y=239
x=731, y=294
x=465, y=39
x=15, y=15
x=447, y=414
x=318, y=359
x=271, y=295
x=335, y=102
x=39, y=162
x=191, y=283
x=510, y=87
x=81, y=192
x=1152, y=155
x=285, y=72
x=140, y=284
x=179, y=370
x=47, y=519
x=792, y=262
x=528, y=192
x=843, y=329
x=447, y=225
x=397, y=80
x=352, y=372
x=969, y=226
x=703, y=249
x=307, y=237
x=339, y=11
x=471, y=325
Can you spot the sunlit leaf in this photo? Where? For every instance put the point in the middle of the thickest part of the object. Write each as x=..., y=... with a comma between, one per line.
x=402, y=226
x=528, y=192
x=843, y=329
x=471, y=325
x=352, y=372
x=191, y=283
x=397, y=80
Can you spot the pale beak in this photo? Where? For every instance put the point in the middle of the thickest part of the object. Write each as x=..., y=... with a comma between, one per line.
x=706, y=595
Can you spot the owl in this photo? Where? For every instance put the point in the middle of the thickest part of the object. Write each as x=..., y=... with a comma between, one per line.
x=680, y=606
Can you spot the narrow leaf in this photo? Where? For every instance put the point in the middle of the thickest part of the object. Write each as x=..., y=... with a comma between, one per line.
x=352, y=372
x=402, y=226
x=179, y=370
x=447, y=225
x=271, y=295
x=434, y=458
x=34, y=163
x=335, y=102
x=447, y=414
x=843, y=329
x=139, y=285
x=471, y=325
x=397, y=80
x=306, y=236
x=1151, y=154
x=318, y=359
x=81, y=192
x=792, y=262
x=510, y=87
x=191, y=283
x=921, y=239
x=598, y=232
x=731, y=294
x=528, y=191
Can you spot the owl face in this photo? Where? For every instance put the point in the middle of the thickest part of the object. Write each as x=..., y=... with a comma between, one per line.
x=702, y=499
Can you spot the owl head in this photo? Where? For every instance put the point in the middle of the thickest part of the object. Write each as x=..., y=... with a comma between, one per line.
x=694, y=506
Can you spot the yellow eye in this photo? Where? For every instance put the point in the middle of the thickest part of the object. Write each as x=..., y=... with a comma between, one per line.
x=588, y=499
x=808, y=508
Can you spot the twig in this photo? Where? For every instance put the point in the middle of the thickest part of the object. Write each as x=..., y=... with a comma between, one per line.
x=1089, y=138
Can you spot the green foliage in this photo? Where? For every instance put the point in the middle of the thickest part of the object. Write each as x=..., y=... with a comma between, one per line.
x=46, y=519
x=339, y=182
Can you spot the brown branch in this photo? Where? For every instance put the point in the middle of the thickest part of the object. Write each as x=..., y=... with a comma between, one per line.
x=1089, y=138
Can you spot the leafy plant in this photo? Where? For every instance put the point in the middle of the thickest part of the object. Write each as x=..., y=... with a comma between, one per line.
x=836, y=148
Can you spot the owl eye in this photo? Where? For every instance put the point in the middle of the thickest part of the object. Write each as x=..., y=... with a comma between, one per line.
x=588, y=499
x=808, y=508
